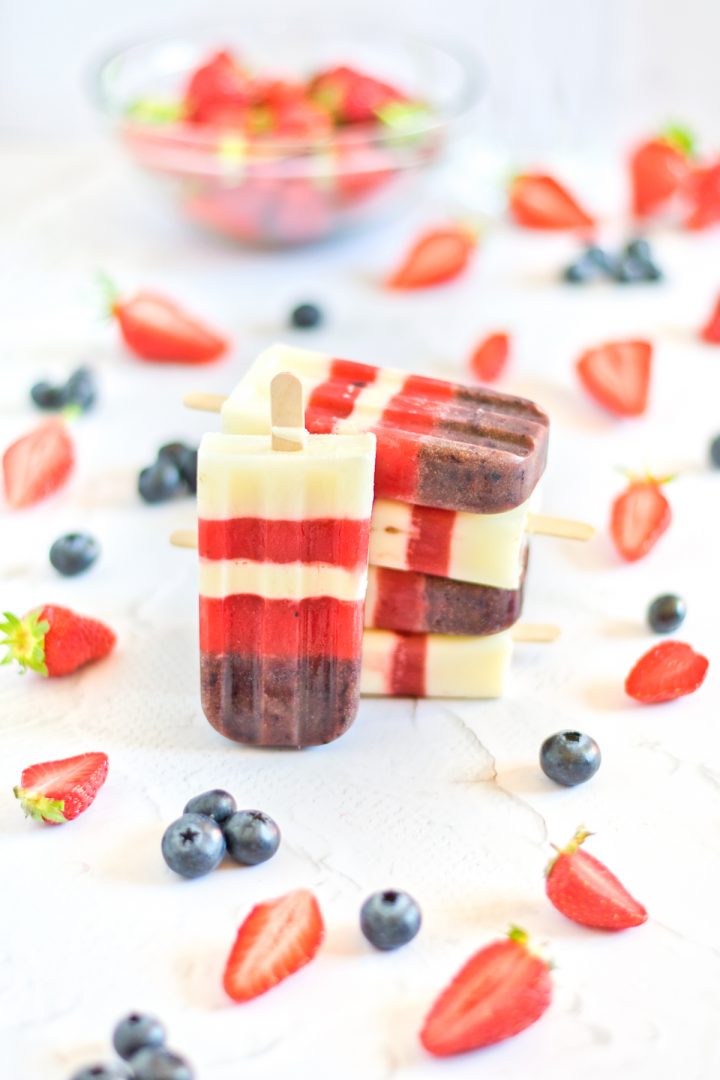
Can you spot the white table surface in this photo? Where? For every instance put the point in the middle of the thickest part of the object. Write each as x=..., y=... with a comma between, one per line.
x=443, y=799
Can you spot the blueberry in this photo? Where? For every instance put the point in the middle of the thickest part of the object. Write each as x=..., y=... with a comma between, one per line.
x=390, y=919
x=639, y=249
x=73, y=553
x=160, y=482
x=652, y=271
x=305, y=316
x=156, y=1063
x=715, y=452
x=47, y=396
x=216, y=804
x=171, y=453
x=136, y=1031
x=193, y=845
x=101, y=1072
x=666, y=613
x=630, y=270
x=81, y=388
x=569, y=758
x=579, y=272
x=600, y=258
x=188, y=467
x=251, y=836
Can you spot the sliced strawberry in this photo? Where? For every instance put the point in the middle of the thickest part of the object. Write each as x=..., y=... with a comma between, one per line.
x=351, y=96
x=658, y=169
x=711, y=330
x=703, y=195
x=58, y=791
x=617, y=375
x=38, y=463
x=301, y=120
x=220, y=82
x=277, y=939
x=639, y=517
x=584, y=890
x=437, y=256
x=668, y=671
x=501, y=990
x=54, y=640
x=538, y=201
x=490, y=357
x=155, y=328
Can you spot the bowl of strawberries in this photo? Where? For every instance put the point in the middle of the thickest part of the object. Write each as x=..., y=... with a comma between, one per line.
x=288, y=133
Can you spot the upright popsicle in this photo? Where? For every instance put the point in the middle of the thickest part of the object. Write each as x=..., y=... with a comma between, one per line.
x=440, y=444
x=283, y=526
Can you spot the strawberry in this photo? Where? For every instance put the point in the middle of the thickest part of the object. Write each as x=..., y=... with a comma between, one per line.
x=301, y=120
x=538, y=201
x=155, y=328
x=711, y=330
x=437, y=256
x=658, y=169
x=37, y=464
x=218, y=84
x=668, y=671
x=54, y=640
x=703, y=195
x=501, y=990
x=617, y=375
x=350, y=96
x=639, y=517
x=58, y=791
x=490, y=357
x=583, y=889
x=278, y=938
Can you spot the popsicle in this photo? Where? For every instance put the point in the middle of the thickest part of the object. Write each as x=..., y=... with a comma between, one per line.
x=422, y=603
x=435, y=665
x=439, y=444
x=283, y=527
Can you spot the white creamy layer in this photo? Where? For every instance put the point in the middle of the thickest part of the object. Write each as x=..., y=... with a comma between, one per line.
x=486, y=549
x=279, y=581
x=473, y=667
x=242, y=476
x=247, y=409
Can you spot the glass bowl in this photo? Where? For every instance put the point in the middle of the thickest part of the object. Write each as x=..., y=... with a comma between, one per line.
x=280, y=192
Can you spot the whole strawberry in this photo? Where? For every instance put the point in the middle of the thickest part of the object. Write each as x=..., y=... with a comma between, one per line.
x=58, y=791
x=54, y=640
x=501, y=990
x=584, y=890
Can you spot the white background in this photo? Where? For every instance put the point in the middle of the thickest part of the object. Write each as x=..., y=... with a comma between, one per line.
x=561, y=72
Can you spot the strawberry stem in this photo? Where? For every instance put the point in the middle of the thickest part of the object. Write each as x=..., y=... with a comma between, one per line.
x=516, y=933
x=39, y=807
x=25, y=641
x=680, y=138
x=581, y=835
x=109, y=292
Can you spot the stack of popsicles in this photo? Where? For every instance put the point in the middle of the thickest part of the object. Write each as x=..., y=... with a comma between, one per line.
x=456, y=471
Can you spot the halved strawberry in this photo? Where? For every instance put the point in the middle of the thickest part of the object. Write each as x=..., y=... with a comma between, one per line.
x=639, y=517
x=711, y=330
x=277, y=939
x=668, y=671
x=350, y=95
x=501, y=990
x=54, y=640
x=490, y=357
x=218, y=84
x=703, y=195
x=584, y=890
x=155, y=328
x=538, y=201
x=658, y=169
x=437, y=256
x=38, y=463
x=617, y=375
x=58, y=791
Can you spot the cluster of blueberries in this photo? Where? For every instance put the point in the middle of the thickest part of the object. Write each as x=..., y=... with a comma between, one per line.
x=569, y=757
x=173, y=473
x=140, y=1041
x=211, y=827
x=633, y=264
x=78, y=391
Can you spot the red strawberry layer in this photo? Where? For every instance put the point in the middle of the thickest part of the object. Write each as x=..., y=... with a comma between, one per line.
x=251, y=625
x=330, y=541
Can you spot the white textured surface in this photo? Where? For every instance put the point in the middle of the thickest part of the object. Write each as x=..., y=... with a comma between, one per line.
x=444, y=800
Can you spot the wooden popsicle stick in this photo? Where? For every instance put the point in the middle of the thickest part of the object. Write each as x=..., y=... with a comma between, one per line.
x=204, y=402
x=539, y=632
x=566, y=528
x=184, y=538
x=287, y=414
